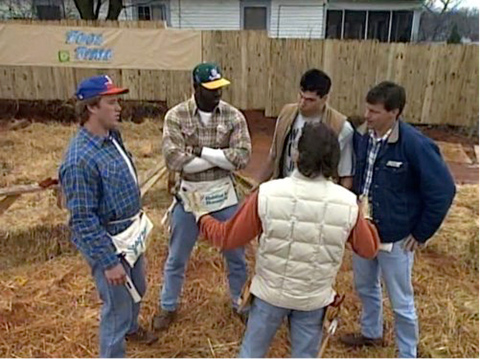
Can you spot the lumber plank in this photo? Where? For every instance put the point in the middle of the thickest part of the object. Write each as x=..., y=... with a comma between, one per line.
x=6, y=202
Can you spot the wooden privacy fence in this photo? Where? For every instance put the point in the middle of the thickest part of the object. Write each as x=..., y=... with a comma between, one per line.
x=441, y=80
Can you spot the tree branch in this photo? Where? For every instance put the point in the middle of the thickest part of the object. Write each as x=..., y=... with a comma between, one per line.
x=115, y=7
x=85, y=8
x=97, y=9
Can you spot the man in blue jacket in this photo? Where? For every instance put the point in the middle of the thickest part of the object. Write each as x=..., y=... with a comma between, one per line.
x=402, y=177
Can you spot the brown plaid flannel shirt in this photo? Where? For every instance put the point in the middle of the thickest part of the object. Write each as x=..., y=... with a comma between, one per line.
x=183, y=130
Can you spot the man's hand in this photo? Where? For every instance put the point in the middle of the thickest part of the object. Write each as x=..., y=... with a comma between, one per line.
x=197, y=151
x=411, y=244
x=116, y=275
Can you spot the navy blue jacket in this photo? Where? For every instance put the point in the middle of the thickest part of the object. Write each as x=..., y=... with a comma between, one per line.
x=412, y=188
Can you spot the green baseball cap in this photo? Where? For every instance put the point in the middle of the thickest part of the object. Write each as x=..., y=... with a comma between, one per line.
x=209, y=75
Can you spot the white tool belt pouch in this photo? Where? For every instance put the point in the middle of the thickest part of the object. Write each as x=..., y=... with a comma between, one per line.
x=208, y=196
x=132, y=242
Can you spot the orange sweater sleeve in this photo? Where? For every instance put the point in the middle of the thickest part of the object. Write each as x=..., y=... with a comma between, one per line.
x=244, y=226
x=364, y=237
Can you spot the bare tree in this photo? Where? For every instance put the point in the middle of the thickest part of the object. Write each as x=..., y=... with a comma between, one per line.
x=115, y=7
x=90, y=9
x=442, y=5
x=85, y=8
x=435, y=24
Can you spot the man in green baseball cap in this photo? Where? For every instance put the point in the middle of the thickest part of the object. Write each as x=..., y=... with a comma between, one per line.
x=209, y=75
x=207, y=85
x=204, y=141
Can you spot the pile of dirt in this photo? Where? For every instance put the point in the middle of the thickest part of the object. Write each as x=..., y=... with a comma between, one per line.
x=262, y=129
x=64, y=111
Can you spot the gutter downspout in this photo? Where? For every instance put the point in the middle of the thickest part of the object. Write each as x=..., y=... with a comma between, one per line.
x=390, y=27
x=278, y=20
x=179, y=14
x=324, y=19
x=366, y=23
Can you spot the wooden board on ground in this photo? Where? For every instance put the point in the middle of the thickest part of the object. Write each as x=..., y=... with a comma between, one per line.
x=152, y=180
x=21, y=189
x=6, y=202
x=453, y=152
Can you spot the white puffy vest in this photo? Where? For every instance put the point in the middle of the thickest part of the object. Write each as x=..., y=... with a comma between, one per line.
x=306, y=223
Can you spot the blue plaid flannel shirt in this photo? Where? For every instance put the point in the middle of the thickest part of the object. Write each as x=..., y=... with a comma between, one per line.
x=374, y=145
x=99, y=188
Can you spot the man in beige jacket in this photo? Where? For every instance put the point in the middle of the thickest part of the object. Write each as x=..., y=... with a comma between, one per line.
x=312, y=106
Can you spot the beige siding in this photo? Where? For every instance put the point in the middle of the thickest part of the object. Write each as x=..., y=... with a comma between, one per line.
x=205, y=14
x=299, y=19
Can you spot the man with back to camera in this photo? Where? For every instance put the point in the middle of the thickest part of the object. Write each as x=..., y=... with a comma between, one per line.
x=304, y=222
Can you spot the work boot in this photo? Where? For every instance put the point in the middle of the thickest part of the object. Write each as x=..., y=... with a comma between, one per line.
x=142, y=336
x=163, y=320
x=359, y=340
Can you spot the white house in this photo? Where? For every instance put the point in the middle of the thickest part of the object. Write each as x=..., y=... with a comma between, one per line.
x=394, y=20
x=385, y=20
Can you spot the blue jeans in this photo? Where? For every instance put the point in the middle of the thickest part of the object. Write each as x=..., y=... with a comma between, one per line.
x=182, y=240
x=396, y=269
x=119, y=313
x=264, y=320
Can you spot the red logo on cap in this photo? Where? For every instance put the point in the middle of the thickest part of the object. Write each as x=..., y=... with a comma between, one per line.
x=109, y=82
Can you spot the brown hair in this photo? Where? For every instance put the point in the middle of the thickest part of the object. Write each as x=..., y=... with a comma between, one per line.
x=391, y=95
x=81, y=108
x=318, y=151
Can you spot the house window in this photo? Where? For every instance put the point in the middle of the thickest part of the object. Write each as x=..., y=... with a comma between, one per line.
x=144, y=13
x=48, y=12
x=255, y=14
x=354, y=26
x=378, y=25
x=48, y=9
x=255, y=18
x=334, y=24
x=384, y=26
x=159, y=12
x=154, y=11
x=401, y=26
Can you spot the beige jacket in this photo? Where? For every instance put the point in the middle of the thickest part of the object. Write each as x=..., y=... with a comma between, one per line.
x=285, y=120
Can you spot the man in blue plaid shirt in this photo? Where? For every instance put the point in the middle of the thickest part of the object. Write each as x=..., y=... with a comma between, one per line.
x=100, y=185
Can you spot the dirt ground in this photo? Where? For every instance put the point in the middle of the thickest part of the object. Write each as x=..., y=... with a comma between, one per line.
x=262, y=128
x=49, y=306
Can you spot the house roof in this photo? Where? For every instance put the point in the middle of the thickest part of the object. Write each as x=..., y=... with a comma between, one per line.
x=413, y=2
x=375, y=4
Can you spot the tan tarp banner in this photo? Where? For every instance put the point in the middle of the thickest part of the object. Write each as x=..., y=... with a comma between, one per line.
x=116, y=48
